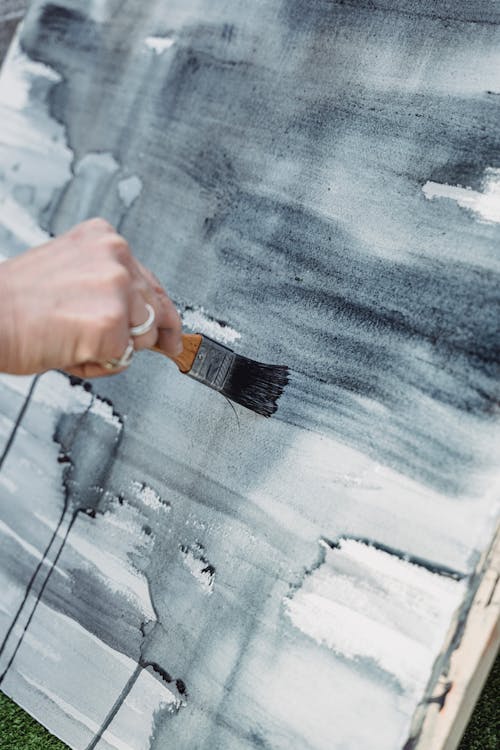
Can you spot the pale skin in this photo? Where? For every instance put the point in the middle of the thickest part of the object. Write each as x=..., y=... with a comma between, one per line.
x=70, y=303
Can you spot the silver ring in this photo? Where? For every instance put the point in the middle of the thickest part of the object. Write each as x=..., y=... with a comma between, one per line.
x=147, y=325
x=123, y=361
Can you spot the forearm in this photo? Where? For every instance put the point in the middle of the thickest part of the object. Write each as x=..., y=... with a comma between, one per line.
x=7, y=325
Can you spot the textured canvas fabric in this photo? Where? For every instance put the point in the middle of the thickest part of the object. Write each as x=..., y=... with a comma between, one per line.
x=11, y=12
x=318, y=185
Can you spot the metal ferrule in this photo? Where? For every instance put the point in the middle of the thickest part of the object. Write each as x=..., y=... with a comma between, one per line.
x=212, y=363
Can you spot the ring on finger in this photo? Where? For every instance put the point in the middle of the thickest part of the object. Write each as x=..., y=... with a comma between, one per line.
x=123, y=361
x=148, y=324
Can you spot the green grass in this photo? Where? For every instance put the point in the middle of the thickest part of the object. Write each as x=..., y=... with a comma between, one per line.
x=483, y=732
x=18, y=731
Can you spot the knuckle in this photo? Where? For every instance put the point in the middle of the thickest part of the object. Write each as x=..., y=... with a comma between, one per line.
x=141, y=287
x=101, y=335
x=85, y=350
x=146, y=340
x=90, y=228
x=116, y=277
x=156, y=284
x=175, y=322
x=118, y=247
x=110, y=319
x=78, y=232
x=99, y=224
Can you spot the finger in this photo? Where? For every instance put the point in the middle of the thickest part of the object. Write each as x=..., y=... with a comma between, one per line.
x=94, y=227
x=142, y=292
x=140, y=314
x=171, y=317
x=169, y=342
x=109, y=334
x=170, y=328
x=169, y=321
x=110, y=364
x=101, y=368
x=91, y=370
x=152, y=279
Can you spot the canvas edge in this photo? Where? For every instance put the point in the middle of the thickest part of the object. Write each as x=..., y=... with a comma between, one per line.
x=440, y=722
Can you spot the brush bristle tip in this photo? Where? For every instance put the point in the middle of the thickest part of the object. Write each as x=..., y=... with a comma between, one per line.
x=255, y=385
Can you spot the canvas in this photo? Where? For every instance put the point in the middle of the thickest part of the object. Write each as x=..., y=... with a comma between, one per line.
x=318, y=185
x=11, y=12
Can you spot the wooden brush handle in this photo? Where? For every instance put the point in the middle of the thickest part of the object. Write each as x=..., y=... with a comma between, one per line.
x=185, y=359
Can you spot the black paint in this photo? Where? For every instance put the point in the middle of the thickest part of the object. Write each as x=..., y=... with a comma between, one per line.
x=256, y=386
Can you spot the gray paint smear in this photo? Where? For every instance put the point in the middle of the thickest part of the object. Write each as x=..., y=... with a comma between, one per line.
x=282, y=149
x=11, y=13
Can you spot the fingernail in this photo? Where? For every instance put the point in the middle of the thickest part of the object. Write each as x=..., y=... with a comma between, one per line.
x=179, y=348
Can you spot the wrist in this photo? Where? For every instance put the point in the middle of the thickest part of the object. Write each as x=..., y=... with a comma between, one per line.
x=7, y=337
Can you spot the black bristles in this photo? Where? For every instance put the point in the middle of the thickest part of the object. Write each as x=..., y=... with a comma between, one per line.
x=256, y=386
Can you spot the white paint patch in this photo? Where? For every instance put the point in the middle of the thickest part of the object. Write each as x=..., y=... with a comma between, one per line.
x=55, y=391
x=4, y=609
x=20, y=384
x=197, y=320
x=19, y=222
x=40, y=648
x=71, y=711
x=365, y=603
x=129, y=190
x=149, y=692
x=26, y=546
x=79, y=641
x=126, y=583
x=159, y=43
x=8, y=483
x=97, y=163
x=198, y=566
x=18, y=75
x=127, y=525
x=486, y=203
x=148, y=496
x=104, y=546
x=92, y=183
x=31, y=140
x=100, y=10
x=105, y=411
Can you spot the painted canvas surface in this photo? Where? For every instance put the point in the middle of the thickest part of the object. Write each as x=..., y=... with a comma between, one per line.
x=318, y=185
x=11, y=12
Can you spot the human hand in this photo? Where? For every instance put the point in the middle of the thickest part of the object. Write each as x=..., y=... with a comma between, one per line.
x=70, y=304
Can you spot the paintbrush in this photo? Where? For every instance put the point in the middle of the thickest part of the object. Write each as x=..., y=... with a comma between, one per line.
x=251, y=384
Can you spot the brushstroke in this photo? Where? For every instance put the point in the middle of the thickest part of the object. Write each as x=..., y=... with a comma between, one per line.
x=197, y=320
x=199, y=567
x=11, y=14
x=129, y=189
x=65, y=435
x=30, y=138
x=76, y=534
x=485, y=203
x=398, y=624
x=16, y=424
x=159, y=43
